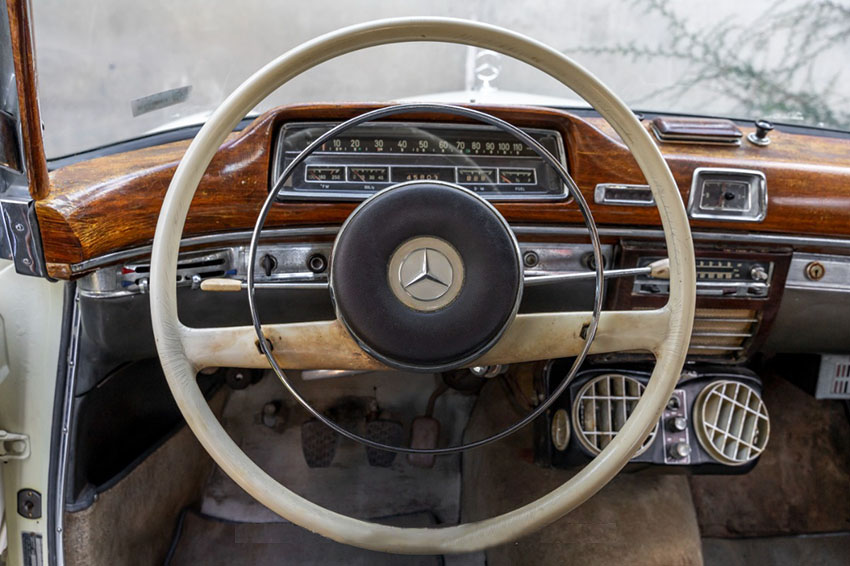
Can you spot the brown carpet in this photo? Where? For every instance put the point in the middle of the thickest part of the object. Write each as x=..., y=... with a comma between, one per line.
x=133, y=521
x=636, y=519
x=800, y=485
x=816, y=550
x=211, y=542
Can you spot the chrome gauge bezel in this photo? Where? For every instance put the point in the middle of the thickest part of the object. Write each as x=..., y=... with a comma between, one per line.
x=357, y=195
x=757, y=209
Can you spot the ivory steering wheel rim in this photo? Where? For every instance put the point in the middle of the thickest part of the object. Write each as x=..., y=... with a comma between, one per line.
x=180, y=368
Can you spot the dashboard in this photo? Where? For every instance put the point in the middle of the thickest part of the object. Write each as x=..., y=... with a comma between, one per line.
x=373, y=156
x=771, y=224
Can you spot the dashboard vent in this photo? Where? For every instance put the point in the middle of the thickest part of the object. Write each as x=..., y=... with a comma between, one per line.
x=731, y=422
x=134, y=276
x=721, y=332
x=601, y=408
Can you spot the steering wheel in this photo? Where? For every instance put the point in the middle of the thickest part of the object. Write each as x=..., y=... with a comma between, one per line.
x=354, y=340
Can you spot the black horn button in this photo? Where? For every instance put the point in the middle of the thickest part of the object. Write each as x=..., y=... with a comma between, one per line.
x=426, y=276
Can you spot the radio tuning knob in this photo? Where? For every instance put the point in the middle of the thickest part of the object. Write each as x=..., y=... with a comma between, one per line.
x=758, y=273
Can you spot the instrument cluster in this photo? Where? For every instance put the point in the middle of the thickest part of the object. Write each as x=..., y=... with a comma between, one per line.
x=374, y=156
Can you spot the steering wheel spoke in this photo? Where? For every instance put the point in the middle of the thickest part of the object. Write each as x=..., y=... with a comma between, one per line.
x=300, y=345
x=542, y=336
x=328, y=345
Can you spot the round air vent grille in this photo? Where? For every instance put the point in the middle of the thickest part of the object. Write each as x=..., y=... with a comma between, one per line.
x=601, y=408
x=731, y=422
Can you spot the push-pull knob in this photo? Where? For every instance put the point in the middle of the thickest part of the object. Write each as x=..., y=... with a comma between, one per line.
x=759, y=137
x=679, y=450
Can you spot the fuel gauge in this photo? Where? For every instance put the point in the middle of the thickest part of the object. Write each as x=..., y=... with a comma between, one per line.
x=516, y=176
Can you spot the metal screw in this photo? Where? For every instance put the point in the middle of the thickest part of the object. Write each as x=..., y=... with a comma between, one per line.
x=20, y=227
x=26, y=261
x=530, y=259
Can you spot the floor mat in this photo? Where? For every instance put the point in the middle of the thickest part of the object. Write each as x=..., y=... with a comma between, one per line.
x=349, y=485
x=801, y=483
x=812, y=550
x=637, y=519
x=213, y=542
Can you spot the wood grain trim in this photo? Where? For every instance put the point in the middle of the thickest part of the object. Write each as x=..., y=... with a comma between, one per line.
x=33, y=142
x=112, y=203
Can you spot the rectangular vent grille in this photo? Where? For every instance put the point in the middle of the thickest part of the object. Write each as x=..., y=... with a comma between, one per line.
x=834, y=377
x=205, y=265
x=722, y=332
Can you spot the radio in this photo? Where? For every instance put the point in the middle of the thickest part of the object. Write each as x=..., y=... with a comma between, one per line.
x=716, y=277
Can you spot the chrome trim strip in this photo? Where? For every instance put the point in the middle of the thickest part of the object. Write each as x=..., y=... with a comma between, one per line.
x=222, y=238
x=519, y=230
x=70, y=380
x=600, y=195
x=709, y=236
x=836, y=276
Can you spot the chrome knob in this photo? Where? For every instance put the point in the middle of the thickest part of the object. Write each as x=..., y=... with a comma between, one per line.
x=677, y=424
x=758, y=273
x=680, y=450
x=759, y=137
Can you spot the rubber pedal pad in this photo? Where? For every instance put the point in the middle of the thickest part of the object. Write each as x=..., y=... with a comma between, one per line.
x=318, y=443
x=385, y=432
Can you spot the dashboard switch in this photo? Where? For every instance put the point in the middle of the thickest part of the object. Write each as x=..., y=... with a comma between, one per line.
x=268, y=263
x=680, y=450
x=677, y=424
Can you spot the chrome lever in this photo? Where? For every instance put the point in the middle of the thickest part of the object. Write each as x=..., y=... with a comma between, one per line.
x=659, y=269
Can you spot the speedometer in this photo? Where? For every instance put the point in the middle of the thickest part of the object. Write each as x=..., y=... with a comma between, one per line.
x=371, y=157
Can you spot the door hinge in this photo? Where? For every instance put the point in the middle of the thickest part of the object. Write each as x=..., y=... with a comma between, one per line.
x=20, y=239
x=14, y=446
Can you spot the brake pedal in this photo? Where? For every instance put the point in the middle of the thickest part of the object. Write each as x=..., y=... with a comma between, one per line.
x=424, y=434
x=385, y=432
x=318, y=443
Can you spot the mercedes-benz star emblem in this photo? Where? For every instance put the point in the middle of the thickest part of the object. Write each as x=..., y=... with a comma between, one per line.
x=426, y=274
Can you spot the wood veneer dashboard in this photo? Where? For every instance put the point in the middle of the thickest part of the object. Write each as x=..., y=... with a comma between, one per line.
x=112, y=203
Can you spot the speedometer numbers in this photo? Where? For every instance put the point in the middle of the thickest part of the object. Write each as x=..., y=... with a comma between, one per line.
x=371, y=157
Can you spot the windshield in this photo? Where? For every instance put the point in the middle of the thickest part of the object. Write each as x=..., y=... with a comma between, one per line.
x=112, y=70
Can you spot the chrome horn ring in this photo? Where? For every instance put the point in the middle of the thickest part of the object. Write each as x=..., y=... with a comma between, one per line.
x=589, y=332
